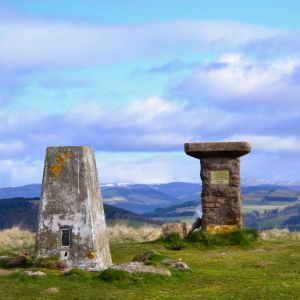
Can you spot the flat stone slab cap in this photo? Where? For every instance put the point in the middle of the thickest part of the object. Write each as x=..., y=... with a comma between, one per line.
x=217, y=149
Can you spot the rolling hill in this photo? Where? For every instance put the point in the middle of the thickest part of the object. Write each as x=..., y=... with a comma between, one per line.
x=178, y=200
x=138, y=198
x=23, y=212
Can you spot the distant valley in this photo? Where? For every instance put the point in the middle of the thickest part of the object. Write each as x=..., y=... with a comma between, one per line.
x=23, y=212
x=170, y=201
x=138, y=198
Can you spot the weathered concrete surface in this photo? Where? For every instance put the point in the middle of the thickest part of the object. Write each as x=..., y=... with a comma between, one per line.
x=71, y=200
x=220, y=175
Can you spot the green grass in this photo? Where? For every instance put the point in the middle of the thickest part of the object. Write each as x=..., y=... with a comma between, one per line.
x=173, y=242
x=267, y=270
x=241, y=237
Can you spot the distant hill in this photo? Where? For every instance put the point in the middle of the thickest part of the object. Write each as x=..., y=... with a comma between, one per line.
x=265, y=206
x=178, y=190
x=25, y=191
x=289, y=217
x=138, y=198
x=179, y=210
x=23, y=212
x=174, y=196
x=267, y=199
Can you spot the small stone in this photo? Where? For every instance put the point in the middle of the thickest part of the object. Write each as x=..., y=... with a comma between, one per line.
x=262, y=264
x=37, y=273
x=14, y=262
x=174, y=264
x=52, y=290
x=143, y=257
x=169, y=228
x=134, y=267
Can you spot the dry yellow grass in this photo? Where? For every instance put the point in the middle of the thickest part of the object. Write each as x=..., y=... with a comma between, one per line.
x=280, y=234
x=122, y=233
x=16, y=239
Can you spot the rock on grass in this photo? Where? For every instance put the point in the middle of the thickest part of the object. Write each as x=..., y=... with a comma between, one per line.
x=134, y=267
x=174, y=264
x=52, y=290
x=37, y=273
x=13, y=262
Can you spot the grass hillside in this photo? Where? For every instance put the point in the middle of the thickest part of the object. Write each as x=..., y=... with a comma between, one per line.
x=24, y=212
x=269, y=269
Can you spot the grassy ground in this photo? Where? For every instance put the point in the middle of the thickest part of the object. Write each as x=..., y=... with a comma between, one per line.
x=268, y=270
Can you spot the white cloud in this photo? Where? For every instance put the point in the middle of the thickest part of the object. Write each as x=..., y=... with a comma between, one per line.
x=61, y=44
x=267, y=143
x=236, y=80
x=11, y=148
x=19, y=172
x=153, y=169
x=168, y=129
x=154, y=124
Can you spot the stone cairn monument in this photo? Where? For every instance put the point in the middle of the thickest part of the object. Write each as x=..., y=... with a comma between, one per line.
x=71, y=222
x=220, y=175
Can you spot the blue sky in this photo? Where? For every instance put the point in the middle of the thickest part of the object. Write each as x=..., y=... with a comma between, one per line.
x=137, y=79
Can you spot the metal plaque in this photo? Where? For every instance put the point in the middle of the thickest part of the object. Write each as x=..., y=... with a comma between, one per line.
x=219, y=177
x=65, y=237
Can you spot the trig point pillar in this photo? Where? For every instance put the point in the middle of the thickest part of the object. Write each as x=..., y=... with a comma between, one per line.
x=71, y=218
x=220, y=175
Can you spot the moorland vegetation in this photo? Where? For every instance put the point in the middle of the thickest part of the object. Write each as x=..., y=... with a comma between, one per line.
x=242, y=265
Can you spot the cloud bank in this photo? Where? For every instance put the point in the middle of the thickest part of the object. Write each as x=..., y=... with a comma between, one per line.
x=244, y=86
x=62, y=44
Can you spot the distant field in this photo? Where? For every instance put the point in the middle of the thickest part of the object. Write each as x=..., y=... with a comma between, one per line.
x=263, y=207
x=273, y=222
x=246, y=208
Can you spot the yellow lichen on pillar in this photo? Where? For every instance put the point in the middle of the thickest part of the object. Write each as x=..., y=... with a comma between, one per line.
x=214, y=229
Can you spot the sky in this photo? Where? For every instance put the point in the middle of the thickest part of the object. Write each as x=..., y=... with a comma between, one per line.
x=137, y=79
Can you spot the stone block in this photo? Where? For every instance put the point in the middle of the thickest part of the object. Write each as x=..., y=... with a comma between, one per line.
x=170, y=228
x=217, y=149
x=71, y=218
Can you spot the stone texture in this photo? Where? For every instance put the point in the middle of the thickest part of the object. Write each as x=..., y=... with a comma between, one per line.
x=14, y=262
x=144, y=257
x=221, y=199
x=175, y=264
x=217, y=149
x=133, y=267
x=71, y=200
x=37, y=273
x=170, y=228
x=52, y=290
